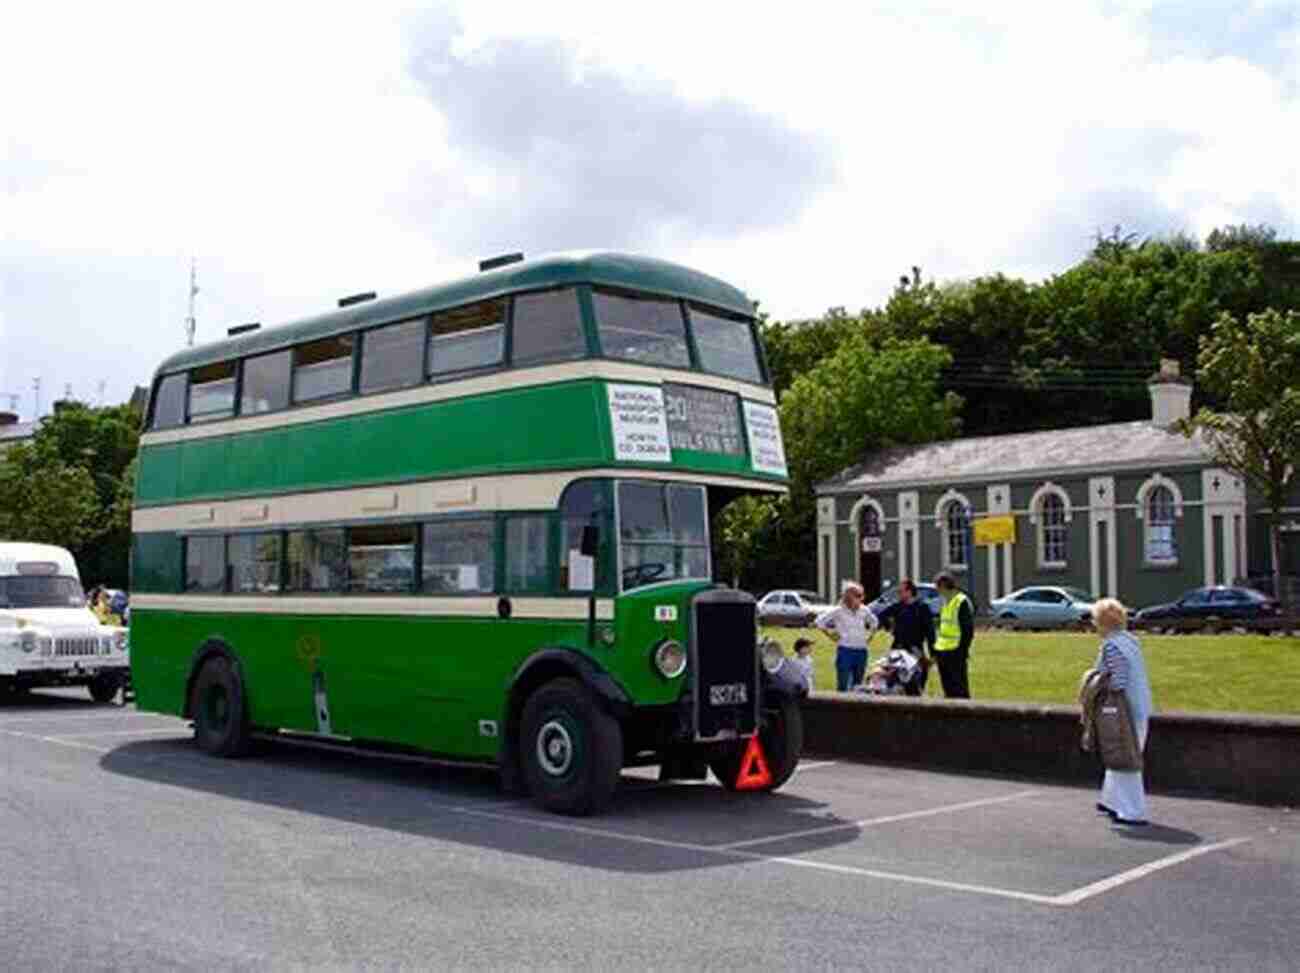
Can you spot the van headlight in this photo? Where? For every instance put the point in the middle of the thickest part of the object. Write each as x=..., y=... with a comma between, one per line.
x=120, y=639
x=27, y=641
x=771, y=654
x=670, y=659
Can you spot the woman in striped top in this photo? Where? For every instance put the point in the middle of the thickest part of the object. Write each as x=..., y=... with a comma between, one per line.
x=1123, y=796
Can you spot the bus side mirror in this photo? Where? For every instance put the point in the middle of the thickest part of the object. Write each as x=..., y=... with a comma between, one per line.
x=590, y=543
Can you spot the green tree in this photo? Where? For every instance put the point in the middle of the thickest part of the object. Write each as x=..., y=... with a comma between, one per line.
x=1251, y=367
x=794, y=348
x=72, y=486
x=740, y=532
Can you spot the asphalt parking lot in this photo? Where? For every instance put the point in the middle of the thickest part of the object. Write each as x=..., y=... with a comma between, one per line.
x=121, y=846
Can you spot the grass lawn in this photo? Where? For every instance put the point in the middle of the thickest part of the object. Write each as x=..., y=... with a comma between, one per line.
x=1239, y=673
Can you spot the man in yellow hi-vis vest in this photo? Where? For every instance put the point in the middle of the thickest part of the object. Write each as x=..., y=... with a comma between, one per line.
x=956, y=632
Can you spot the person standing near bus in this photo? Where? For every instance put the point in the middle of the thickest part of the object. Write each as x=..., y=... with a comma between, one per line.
x=852, y=624
x=956, y=632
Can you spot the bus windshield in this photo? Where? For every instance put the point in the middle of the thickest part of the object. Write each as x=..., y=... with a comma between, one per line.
x=663, y=533
x=41, y=591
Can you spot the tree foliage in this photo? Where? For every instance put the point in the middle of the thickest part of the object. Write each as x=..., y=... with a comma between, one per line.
x=1251, y=368
x=72, y=486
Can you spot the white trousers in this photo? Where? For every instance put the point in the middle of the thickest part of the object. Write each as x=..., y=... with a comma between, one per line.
x=1122, y=790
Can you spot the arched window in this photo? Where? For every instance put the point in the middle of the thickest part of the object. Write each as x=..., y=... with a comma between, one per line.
x=1053, y=531
x=954, y=534
x=870, y=522
x=1161, y=544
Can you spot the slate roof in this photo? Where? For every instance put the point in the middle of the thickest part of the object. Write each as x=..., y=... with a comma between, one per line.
x=1117, y=445
x=17, y=431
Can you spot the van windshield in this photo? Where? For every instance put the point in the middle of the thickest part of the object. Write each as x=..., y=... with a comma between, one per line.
x=41, y=591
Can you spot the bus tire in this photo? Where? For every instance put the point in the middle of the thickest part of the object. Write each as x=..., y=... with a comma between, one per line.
x=104, y=687
x=782, y=740
x=220, y=717
x=571, y=750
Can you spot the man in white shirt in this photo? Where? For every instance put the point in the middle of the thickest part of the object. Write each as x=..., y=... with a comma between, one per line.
x=852, y=624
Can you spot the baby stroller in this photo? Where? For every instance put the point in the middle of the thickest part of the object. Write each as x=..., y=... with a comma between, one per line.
x=900, y=673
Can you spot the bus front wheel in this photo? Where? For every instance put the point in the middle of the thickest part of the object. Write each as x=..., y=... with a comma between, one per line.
x=782, y=740
x=220, y=720
x=570, y=748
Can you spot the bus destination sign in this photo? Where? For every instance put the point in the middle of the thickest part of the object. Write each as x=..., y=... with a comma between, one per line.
x=703, y=420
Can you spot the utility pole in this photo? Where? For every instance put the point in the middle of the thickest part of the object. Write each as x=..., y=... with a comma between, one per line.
x=99, y=397
x=190, y=323
x=36, y=394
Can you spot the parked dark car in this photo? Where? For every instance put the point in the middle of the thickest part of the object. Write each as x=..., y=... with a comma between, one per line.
x=1215, y=607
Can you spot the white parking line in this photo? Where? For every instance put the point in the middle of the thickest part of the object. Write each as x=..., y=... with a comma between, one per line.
x=869, y=822
x=1142, y=871
x=55, y=740
x=814, y=764
x=126, y=733
x=115, y=714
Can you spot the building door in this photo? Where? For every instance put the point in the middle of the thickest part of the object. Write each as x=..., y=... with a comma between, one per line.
x=870, y=545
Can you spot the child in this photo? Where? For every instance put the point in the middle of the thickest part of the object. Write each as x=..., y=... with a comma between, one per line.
x=803, y=662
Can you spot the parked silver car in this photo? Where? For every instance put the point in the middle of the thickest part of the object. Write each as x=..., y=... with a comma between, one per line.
x=790, y=607
x=1044, y=606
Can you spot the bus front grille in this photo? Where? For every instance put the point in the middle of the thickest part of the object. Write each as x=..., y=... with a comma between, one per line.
x=724, y=643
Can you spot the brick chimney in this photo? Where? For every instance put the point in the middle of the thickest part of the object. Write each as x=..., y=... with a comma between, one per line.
x=1171, y=395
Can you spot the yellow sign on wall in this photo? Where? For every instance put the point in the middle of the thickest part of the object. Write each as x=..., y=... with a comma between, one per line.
x=994, y=530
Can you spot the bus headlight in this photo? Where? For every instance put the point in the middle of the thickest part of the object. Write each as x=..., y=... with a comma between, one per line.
x=771, y=654
x=670, y=659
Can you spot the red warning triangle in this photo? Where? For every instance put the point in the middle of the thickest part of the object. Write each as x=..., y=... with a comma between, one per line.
x=754, y=775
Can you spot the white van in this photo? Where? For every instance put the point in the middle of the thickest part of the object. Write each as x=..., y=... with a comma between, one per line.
x=48, y=637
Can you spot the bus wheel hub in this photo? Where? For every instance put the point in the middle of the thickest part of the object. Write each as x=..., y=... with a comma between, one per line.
x=554, y=748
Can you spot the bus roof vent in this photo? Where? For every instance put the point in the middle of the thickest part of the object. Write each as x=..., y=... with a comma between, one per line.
x=243, y=328
x=356, y=298
x=492, y=263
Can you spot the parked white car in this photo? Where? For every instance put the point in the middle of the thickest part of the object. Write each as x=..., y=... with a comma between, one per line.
x=48, y=637
x=790, y=607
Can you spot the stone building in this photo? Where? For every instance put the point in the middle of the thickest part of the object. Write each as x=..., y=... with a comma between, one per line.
x=1132, y=509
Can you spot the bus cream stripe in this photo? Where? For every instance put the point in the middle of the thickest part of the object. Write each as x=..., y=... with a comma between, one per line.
x=532, y=491
x=442, y=392
x=464, y=607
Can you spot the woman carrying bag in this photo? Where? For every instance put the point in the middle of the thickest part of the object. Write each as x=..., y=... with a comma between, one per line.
x=1122, y=711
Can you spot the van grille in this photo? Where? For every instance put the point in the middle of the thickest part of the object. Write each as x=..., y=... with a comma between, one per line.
x=86, y=645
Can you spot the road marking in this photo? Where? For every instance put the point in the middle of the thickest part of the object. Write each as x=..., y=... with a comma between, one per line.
x=870, y=822
x=55, y=740
x=814, y=764
x=1142, y=871
x=71, y=717
x=127, y=733
x=936, y=883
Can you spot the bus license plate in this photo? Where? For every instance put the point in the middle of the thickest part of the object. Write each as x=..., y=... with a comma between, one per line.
x=728, y=694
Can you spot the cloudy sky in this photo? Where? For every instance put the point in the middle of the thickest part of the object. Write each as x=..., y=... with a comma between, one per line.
x=808, y=155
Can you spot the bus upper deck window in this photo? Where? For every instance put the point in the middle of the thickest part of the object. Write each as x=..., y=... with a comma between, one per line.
x=266, y=383
x=467, y=338
x=642, y=329
x=322, y=369
x=390, y=356
x=726, y=345
x=212, y=392
x=169, y=402
x=547, y=326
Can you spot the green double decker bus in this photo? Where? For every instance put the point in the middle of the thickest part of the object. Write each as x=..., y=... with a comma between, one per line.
x=473, y=522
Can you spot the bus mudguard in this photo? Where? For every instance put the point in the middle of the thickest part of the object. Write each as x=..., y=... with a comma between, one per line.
x=552, y=663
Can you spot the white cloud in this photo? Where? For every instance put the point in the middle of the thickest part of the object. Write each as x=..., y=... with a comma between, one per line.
x=298, y=154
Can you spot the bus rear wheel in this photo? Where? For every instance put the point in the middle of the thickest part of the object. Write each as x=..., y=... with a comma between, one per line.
x=782, y=741
x=217, y=705
x=570, y=748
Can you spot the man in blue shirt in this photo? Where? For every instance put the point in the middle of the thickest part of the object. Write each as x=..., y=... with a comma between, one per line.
x=912, y=623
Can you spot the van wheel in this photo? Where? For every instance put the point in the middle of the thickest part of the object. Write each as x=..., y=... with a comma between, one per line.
x=217, y=705
x=782, y=741
x=570, y=748
x=103, y=688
